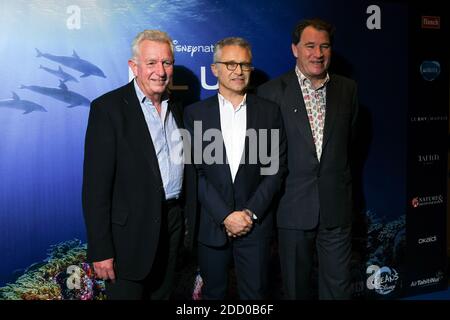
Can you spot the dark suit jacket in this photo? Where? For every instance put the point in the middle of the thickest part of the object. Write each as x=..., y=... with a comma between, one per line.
x=218, y=195
x=312, y=186
x=122, y=185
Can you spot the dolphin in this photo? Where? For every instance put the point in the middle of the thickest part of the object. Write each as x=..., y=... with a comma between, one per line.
x=25, y=105
x=74, y=62
x=62, y=94
x=60, y=73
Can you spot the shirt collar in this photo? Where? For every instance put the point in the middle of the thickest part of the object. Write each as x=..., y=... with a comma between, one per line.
x=303, y=79
x=141, y=96
x=243, y=103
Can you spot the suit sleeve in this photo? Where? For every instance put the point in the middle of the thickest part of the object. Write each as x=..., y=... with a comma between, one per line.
x=271, y=184
x=208, y=195
x=98, y=178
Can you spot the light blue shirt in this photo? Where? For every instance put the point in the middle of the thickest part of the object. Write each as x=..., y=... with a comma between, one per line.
x=167, y=142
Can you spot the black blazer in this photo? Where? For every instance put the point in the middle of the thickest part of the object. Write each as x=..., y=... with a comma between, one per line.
x=122, y=185
x=218, y=196
x=314, y=187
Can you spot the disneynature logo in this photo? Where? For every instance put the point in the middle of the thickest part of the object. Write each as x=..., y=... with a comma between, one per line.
x=431, y=22
x=428, y=281
x=427, y=201
x=430, y=70
x=382, y=280
x=192, y=49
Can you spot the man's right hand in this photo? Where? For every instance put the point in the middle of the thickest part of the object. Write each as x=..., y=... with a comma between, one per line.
x=238, y=223
x=105, y=269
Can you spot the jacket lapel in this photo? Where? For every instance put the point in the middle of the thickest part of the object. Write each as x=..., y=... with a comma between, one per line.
x=331, y=110
x=137, y=130
x=252, y=114
x=213, y=122
x=175, y=108
x=294, y=107
x=252, y=123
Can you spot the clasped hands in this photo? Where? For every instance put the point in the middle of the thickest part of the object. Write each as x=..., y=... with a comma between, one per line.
x=238, y=223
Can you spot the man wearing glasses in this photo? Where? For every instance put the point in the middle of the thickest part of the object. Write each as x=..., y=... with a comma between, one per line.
x=133, y=177
x=235, y=195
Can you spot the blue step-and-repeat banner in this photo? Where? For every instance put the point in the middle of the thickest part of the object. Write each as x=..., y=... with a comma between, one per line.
x=57, y=56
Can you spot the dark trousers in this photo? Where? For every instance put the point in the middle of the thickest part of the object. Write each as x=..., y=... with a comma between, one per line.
x=158, y=285
x=251, y=262
x=333, y=248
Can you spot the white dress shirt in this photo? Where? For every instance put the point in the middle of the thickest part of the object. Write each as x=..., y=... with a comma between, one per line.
x=233, y=123
x=166, y=140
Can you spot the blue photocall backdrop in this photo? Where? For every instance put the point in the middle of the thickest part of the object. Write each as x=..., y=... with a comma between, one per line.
x=57, y=56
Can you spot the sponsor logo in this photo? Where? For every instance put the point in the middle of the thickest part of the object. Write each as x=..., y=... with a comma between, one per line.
x=383, y=280
x=430, y=239
x=192, y=49
x=428, y=159
x=430, y=70
x=427, y=201
x=431, y=22
x=430, y=118
x=428, y=281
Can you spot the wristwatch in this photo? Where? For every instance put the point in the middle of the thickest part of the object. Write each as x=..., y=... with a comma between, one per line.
x=250, y=213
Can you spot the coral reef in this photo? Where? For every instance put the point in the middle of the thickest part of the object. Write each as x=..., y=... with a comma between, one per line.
x=380, y=242
x=63, y=275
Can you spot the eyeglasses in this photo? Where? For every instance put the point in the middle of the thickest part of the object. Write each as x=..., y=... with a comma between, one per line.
x=231, y=65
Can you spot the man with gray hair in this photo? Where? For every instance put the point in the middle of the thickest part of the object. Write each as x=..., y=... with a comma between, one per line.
x=133, y=177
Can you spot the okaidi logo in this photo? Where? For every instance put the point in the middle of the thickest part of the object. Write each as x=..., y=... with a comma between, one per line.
x=431, y=22
x=427, y=201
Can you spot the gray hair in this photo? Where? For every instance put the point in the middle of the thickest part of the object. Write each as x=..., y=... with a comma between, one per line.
x=231, y=41
x=152, y=35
